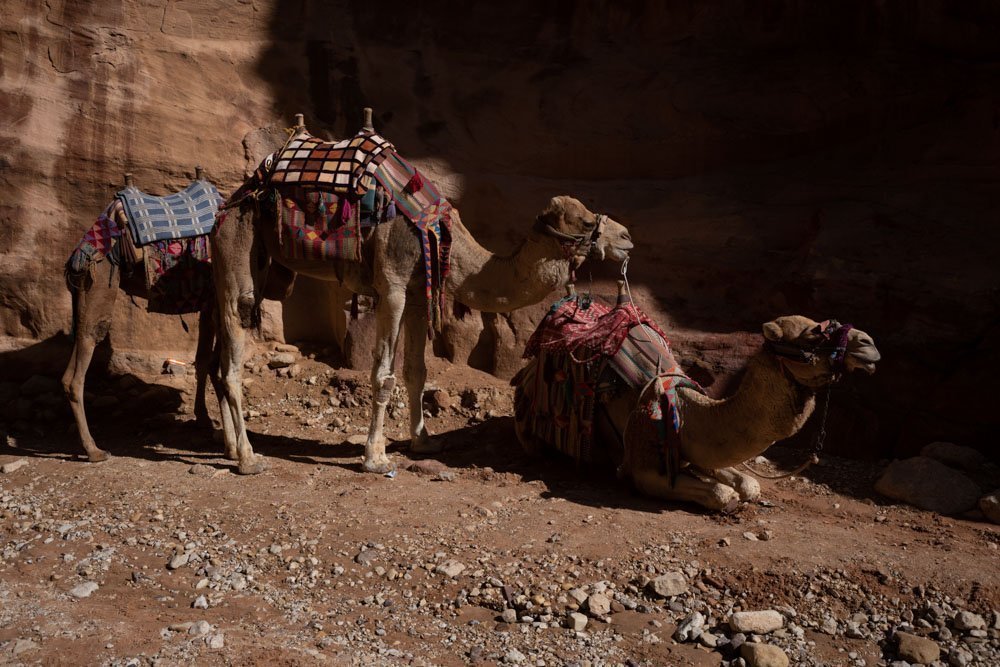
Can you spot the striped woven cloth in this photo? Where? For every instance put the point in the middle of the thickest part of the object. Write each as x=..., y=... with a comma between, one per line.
x=99, y=243
x=345, y=167
x=318, y=225
x=182, y=215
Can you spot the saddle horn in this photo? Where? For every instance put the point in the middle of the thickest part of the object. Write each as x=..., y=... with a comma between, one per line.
x=300, y=122
x=128, y=179
x=199, y=173
x=622, y=294
x=368, y=127
x=570, y=289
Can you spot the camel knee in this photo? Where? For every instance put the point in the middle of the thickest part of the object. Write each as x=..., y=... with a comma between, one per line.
x=383, y=387
x=248, y=309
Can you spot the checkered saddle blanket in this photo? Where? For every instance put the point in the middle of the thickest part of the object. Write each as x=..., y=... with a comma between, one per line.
x=344, y=167
x=583, y=350
x=182, y=215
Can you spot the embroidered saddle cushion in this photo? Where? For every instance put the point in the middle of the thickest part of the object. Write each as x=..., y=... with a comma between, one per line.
x=182, y=215
x=345, y=167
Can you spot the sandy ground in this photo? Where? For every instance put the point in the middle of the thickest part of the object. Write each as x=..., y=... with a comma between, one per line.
x=316, y=562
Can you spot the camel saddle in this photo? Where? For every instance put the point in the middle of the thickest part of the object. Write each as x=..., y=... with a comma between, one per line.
x=584, y=352
x=345, y=167
x=181, y=215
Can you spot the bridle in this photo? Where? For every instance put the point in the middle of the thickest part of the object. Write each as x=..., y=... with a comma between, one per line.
x=574, y=245
x=832, y=345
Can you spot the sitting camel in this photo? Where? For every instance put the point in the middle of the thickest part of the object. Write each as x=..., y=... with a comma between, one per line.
x=246, y=245
x=776, y=397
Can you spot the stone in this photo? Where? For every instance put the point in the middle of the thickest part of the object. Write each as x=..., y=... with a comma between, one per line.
x=178, y=561
x=281, y=360
x=928, y=484
x=509, y=615
x=668, y=585
x=84, y=590
x=13, y=466
x=958, y=657
x=708, y=640
x=366, y=557
x=757, y=622
x=200, y=602
x=598, y=604
x=576, y=621
x=201, y=470
x=578, y=594
x=200, y=628
x=914, y=648
x=691, y=627
x=514, y=657
x=23, y=646
x=763, y=655
x=450, y=568
x=216, y=641
x=966, y=620
x=40, y=384
x=956, y=456
x=427, y=467
x=828, y=626
x=989, y=505
x=438, y=400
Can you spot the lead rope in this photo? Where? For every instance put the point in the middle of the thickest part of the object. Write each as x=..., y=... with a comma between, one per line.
x=818, y=443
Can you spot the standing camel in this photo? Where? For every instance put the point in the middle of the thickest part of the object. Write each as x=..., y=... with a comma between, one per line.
x=246, y=245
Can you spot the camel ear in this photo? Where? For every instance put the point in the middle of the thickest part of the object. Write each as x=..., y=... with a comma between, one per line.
x=772, y=331
x=553, y=213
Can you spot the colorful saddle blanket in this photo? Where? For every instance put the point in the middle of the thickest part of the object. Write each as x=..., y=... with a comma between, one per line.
x=583, y=349
x=317, y=225
x=99, y=243
x=345, y=167
x=185, y=214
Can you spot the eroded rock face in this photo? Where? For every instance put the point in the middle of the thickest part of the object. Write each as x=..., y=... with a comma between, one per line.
x=746, y=176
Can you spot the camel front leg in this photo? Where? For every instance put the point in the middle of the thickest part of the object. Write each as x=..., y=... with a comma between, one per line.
x=746, y=486
x=203, y=365
x=710, y=495
x=415, y=378
x=73, y=381
x=232, y=336
x=388, y=316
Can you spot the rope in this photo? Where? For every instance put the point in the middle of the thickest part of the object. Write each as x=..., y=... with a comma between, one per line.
x=818, y=443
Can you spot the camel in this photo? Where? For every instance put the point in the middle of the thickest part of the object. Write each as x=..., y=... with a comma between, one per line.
x=94, y=294
x=775, y=398
x=246, y=246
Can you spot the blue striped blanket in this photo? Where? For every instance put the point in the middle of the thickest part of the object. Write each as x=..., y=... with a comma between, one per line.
x=182, y=215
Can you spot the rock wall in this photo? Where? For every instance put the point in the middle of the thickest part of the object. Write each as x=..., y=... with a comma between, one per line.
x=770, y=157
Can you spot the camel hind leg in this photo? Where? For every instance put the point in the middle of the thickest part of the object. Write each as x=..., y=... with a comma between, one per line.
x=388, y=316
x=93, y=306
x=205, y=365
x=415, y=377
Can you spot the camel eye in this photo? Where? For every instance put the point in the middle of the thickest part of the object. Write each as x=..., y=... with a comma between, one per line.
x=589, y=224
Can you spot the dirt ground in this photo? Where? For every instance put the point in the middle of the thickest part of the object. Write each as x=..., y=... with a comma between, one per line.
x=316, y=562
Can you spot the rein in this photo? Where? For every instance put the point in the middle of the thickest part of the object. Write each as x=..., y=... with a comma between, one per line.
x=574, y=244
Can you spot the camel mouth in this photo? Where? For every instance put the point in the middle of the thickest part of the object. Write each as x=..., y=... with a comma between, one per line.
x=855, y=363
x=617, y=254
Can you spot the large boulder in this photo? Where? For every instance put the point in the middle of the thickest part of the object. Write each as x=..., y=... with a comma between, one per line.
x=989, y=505
x=928, y=484
x=956, y=456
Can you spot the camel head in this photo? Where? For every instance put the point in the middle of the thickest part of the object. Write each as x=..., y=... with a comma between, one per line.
x=815, y=353
x=588, y=234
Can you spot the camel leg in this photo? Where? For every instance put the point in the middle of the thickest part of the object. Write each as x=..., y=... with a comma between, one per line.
x=232, y=335
x=93, y=305
x=388, y=316
x=710, y=495
x=745, y=485
x=203, y=363
x=415, y=378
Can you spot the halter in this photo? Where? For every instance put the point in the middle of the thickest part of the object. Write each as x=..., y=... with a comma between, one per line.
x=833, y=345
x=574, y=245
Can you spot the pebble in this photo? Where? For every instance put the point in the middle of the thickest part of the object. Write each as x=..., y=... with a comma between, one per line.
x=366, y=557
x=509, y=615
x=178, y=561
x=23, y=645
x=202, y=470
x=576, y=621
x=450, y=568
x=217, y=640
x=84, y=590
x=13, y=465
x=281, y=360
x=691, y=627
x=514, y=657
x=668, y=585
x=598, y=604
x=200, y=628
x=966, y=620
x=200, y=602
x=828, y=626
x=758, y=622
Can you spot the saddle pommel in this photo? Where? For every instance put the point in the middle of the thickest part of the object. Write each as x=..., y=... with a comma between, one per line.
x=300, y=122
x=368, y=127
x=570, y=289
x=199, y=173
x=622, y=294
x=128, y=179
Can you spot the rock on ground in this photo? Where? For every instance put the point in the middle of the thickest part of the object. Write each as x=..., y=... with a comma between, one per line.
x=758, y=622
x=989, y=505
x=928, y=484
x=13, y=465
x=763, y=655
x=84, y=590
x=576, y=621
x=599, y=605
x=956, y=456
x=668, y=585
x=915, y=648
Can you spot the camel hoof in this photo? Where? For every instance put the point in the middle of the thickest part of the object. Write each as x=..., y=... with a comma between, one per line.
x=233, y=456
x=98, y=455
x=426, y=445
x=252, y=467
x=378, y=466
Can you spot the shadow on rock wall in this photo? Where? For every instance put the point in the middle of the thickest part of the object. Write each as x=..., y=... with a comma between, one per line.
x=831, y=160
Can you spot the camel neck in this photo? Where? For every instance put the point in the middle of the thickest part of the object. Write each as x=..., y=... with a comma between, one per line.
x=493, y=283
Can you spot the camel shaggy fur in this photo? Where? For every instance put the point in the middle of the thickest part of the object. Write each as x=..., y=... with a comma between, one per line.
x=246, y=246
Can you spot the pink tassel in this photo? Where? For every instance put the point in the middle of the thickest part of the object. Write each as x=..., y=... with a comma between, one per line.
x=415, y=184
x=345, y=211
